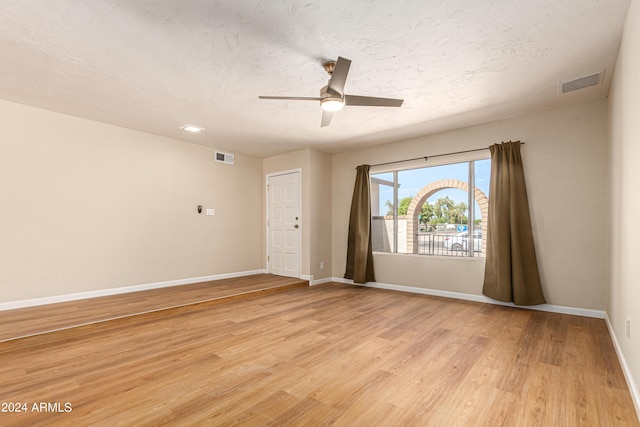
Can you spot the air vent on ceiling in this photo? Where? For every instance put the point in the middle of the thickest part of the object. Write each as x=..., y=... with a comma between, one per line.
x=225, y=158
x=580, y=83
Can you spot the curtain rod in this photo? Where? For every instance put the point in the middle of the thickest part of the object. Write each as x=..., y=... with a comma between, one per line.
x=435, y=155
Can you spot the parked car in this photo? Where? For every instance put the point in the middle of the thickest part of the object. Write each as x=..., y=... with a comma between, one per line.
x=459, y=241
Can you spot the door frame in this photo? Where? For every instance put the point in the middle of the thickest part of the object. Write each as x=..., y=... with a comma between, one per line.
x=268, y=211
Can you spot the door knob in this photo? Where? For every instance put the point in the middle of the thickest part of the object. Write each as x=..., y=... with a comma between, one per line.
x=295, y=226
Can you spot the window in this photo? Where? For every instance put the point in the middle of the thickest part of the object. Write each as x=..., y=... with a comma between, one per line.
x=425, y=210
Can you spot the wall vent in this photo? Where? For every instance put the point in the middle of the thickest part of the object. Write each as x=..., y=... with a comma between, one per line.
x=225, y=158
x=581, y=83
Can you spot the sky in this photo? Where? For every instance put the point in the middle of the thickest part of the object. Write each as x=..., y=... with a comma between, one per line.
x=412, y=180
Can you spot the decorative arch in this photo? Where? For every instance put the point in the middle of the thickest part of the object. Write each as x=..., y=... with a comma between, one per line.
x=426, y=192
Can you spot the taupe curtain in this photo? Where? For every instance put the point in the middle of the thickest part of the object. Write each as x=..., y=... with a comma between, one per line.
x=359, y=247
x=511, y=272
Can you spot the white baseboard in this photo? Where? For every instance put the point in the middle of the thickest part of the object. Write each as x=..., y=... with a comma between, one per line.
x=478, y=298
x=307, y=277
x=633, y=387
x=12, y=305
x=322, y=281
x=313, y=282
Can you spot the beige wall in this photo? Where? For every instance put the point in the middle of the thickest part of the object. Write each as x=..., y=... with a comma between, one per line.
x=88, y=206
x=320, y=211
x=315, y=168
x=565, y=167
x=623, y=297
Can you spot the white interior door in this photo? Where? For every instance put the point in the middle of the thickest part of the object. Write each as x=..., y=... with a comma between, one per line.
x=283, y=192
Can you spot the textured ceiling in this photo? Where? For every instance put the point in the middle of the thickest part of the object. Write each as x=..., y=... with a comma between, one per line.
x=155, y=65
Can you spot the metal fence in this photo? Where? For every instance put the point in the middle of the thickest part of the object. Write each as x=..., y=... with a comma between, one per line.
x=445, y=244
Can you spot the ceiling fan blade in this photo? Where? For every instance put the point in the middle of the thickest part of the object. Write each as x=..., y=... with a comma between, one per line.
x=370, y=101
x=291, y=98
x=339, y=76
x=326, y=118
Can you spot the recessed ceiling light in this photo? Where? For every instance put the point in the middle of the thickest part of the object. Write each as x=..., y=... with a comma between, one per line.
x=192, y=128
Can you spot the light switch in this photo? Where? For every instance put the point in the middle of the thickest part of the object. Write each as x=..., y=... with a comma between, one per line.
x=211, y=212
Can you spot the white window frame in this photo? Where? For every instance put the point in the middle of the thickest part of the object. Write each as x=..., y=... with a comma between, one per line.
x=440, y=160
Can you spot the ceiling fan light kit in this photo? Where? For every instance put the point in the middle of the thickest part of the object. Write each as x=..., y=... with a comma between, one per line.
x=332, y=97
x=332, y=104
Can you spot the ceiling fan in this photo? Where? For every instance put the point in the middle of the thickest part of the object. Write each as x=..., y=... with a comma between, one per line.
x=332, y=97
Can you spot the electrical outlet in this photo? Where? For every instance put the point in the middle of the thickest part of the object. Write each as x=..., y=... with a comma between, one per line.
x=321, y=265
x=211, y=212
x=628, y=328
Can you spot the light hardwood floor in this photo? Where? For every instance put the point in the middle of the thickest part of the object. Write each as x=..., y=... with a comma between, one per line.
x=326, y=355
x=30, y=321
